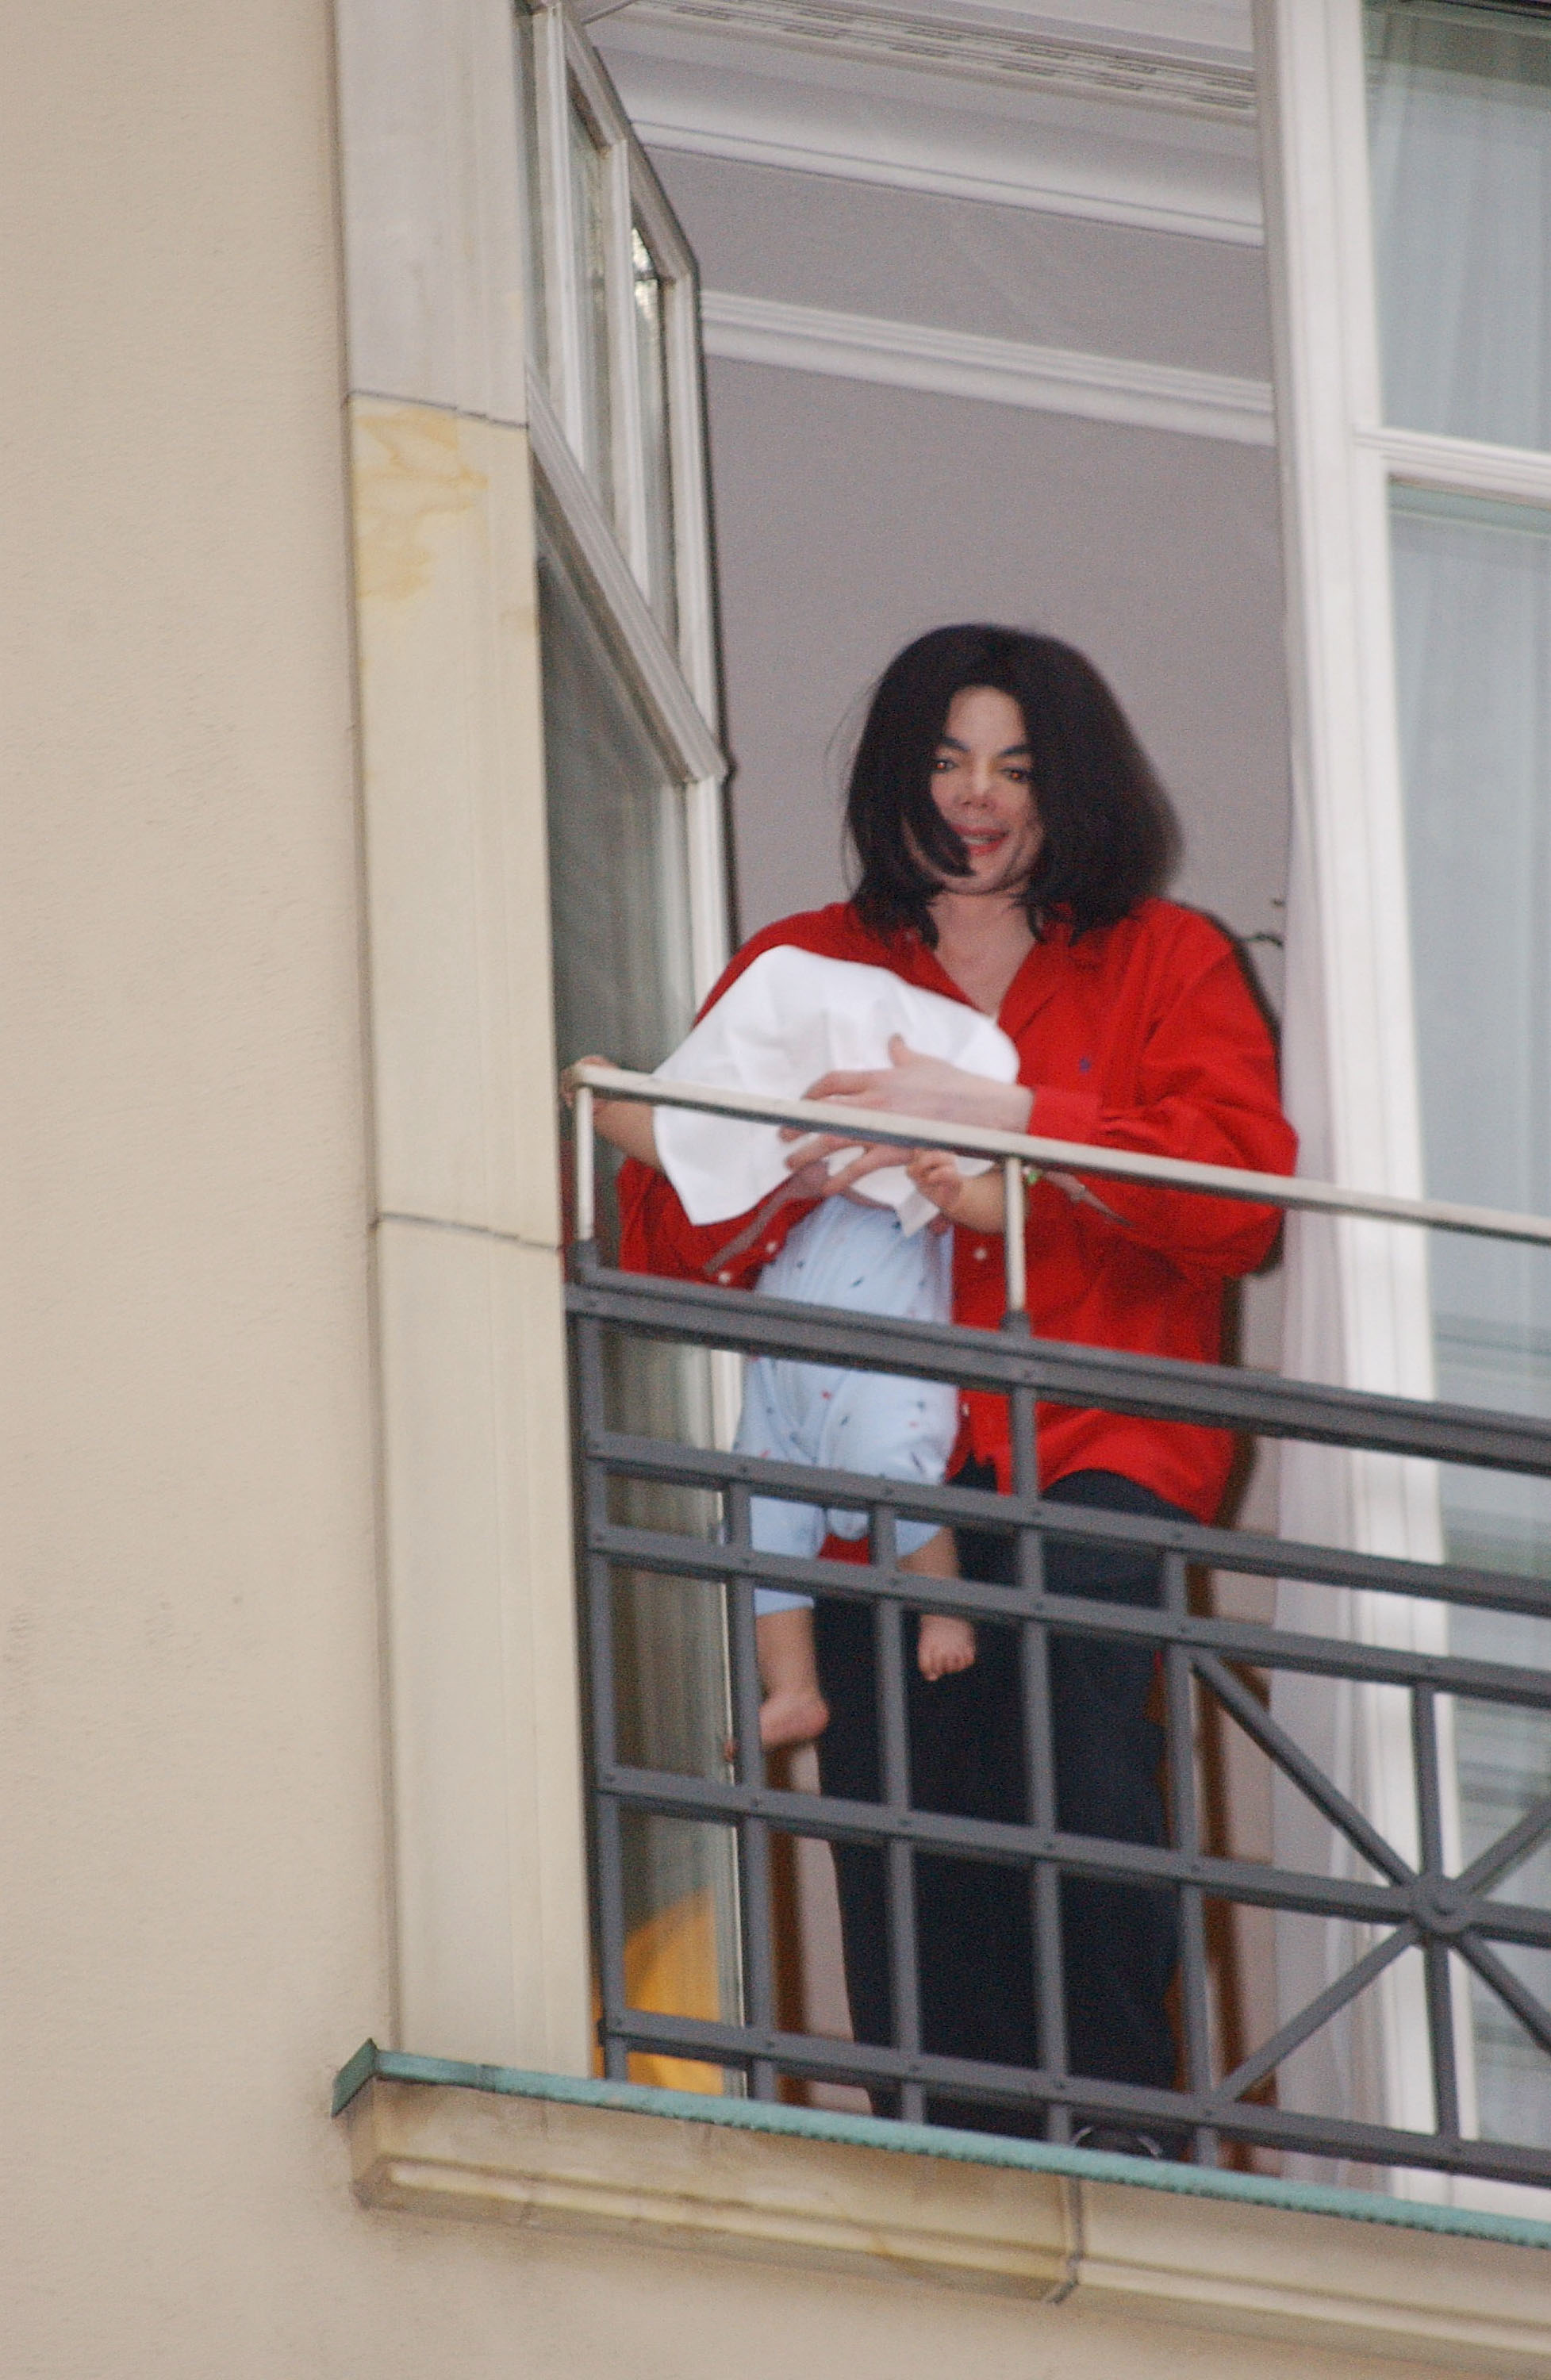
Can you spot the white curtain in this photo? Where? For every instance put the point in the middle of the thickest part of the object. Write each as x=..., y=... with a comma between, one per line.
x=1459, y=123
x=1472, y=618
x=1460, y=135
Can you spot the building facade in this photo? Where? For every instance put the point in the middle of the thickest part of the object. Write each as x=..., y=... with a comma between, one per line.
x=446, y=440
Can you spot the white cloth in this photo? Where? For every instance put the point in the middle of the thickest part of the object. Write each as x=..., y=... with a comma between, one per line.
x=789, y=1017
x=860, y=1258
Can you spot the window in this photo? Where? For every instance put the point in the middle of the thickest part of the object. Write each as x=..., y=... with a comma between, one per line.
x=613, y=351
x=1410, y=146
x=638, y=926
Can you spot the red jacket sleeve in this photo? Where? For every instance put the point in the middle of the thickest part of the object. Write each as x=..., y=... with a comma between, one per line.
x=656, y=1236
x=1206, y=1089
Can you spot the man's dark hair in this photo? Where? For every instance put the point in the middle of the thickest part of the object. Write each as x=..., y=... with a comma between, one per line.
x=1110, y=835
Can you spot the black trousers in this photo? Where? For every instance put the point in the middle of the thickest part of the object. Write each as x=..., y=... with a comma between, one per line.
x=966, y=1752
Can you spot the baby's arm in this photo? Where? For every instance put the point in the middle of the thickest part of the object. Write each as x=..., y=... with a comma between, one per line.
x=628, y=1123
x=977, y=1202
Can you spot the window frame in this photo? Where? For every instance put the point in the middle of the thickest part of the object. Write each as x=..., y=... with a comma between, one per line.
x=680, y=686
x=1358, y=1306
x=678, y=682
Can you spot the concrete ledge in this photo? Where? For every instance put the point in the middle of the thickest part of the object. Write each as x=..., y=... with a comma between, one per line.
x=1064, y=2226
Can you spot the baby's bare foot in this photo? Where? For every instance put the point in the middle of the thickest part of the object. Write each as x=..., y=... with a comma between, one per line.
x=795, y=1715
x=944, y=1645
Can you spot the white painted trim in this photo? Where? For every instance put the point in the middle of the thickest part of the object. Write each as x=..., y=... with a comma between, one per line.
x=680, y=686
x=625, y=614
x=562, y=292
x=686, y=416
x=1358, y=1305
x=883, y=166
x=1461, y=465
x=993, y=371
x=1070, y=66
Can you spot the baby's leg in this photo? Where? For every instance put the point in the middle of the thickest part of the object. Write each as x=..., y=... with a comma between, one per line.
x=944, y=1643
x=779, y=1396
x=793, y=1711
x=905, y=1429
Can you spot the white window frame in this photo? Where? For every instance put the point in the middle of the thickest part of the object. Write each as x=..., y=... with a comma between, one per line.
x=679, y=684
x=680, y=687
x=1359, y=1310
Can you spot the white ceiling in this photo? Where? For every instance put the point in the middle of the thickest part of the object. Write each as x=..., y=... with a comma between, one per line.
x=1202, y=28
x=1135, y=112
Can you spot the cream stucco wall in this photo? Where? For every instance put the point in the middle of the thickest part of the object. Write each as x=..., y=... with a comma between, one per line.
x=194, y=1835
x=195, y=1842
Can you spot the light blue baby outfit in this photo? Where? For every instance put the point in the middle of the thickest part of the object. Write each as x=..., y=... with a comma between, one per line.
x=820, y=1413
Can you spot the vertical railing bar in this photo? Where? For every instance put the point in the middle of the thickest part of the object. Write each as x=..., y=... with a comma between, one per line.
x=1181, y=1741
x=754, y=1834
x=585, y=1141
x=1016, y=1252
x=1034, y=1652
x=1435, y=1954
x=613, y=1991
x=904, y=1981
x=1033, y=1679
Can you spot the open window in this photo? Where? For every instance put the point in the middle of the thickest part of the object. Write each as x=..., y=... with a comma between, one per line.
x=1410, y=149
x=636, y=872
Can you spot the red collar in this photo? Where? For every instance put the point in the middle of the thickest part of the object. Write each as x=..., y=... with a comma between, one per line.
x=1032, y=988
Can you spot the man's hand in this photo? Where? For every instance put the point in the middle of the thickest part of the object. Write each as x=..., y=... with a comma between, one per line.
x=912, y=1084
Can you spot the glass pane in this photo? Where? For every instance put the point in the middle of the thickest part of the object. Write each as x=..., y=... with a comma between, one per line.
x=1460, y=127
x=620, y=922
x=590, y=225
x=657, y=463
x=1473, y=604
x=536, y=329
x=618, y=850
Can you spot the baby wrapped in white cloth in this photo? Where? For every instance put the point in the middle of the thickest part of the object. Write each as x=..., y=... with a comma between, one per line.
x=788, y=1018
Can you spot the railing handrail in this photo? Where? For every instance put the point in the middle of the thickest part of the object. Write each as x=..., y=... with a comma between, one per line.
x=1289, y=1191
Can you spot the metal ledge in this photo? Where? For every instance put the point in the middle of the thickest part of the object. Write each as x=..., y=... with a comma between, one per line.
x=1330, y=2269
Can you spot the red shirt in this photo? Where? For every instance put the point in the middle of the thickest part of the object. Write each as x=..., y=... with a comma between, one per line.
x=1143, y=1034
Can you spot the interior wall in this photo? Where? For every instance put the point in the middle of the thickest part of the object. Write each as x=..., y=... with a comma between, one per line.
x=1008, y=273
x=851, y=516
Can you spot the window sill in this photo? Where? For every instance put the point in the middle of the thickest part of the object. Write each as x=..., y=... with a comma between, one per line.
x=1329, y=2269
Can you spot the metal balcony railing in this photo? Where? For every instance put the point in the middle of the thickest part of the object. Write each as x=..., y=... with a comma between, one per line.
x=1402, y=1903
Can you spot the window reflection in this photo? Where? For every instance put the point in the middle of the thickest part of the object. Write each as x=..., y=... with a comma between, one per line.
x=1460, y=127
x=589, y=213
x=619, y=890
x=656, y=462
x=1473, y=619
x=536, y=329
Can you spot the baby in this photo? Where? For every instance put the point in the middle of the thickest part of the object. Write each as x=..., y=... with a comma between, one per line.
x=850, y=1252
